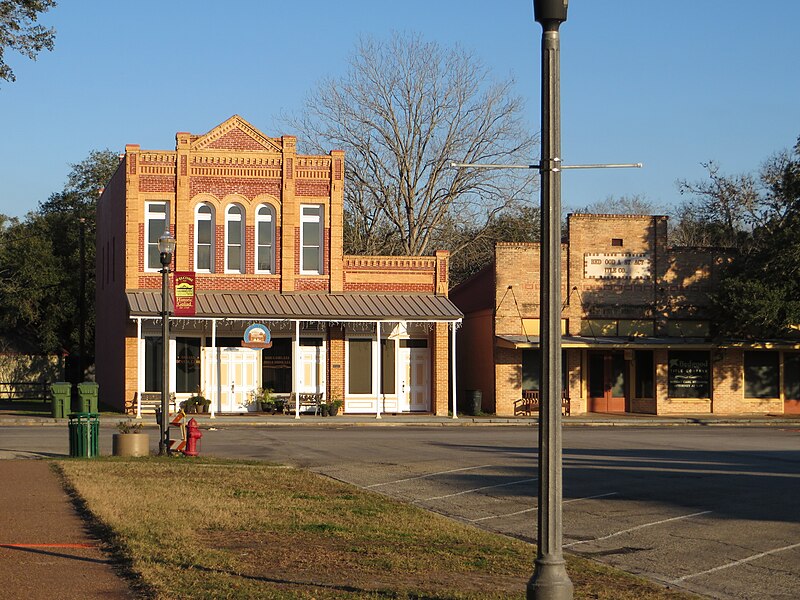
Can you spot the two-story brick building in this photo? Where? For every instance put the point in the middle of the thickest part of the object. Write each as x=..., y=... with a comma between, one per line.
x=635, y=324
x=261, y=228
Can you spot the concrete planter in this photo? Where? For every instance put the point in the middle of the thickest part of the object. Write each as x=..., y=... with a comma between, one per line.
x=130, y=444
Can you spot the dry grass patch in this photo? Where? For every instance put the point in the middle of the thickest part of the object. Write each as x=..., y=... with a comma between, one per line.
x=223, y=529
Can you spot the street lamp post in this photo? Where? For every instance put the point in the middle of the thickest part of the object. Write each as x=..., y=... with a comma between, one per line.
x=550, y=580
x=166, y=247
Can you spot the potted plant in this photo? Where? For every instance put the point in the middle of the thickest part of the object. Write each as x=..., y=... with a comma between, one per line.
x=266, y=399
x=130, y=441
x=334, y=406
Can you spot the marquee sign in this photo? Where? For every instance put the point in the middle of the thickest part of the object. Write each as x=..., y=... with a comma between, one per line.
x=617, y=265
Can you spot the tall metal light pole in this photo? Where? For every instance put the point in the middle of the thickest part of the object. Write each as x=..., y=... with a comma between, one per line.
x=166, y=247
x=550, y=580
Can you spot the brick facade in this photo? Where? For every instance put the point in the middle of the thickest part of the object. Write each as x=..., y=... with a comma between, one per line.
x=626, y=296
x=235, y=165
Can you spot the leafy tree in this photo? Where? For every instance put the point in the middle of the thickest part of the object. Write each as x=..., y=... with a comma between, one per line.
x=406, y=109
x=19, y=31
x=759, y=294
x=40, y=262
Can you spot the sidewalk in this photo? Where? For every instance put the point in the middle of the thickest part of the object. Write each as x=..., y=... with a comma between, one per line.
x=45, y=550
x=256, y=419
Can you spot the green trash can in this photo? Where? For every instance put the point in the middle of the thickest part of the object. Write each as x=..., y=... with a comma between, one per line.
x=60, y=392
x=87, y=397
x=84, y=435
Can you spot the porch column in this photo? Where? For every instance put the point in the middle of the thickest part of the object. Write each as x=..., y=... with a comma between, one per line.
x=295, y=367
x=453, y=366
x=378, y=371
x=139, y=370
x=214, y=370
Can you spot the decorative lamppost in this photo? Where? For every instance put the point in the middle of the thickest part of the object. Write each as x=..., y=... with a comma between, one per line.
x=166, y=247
x=550, y=580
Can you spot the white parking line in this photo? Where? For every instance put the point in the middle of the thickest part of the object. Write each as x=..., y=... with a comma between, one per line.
x=610, y=535
x=520, y=512
x=486, y=487
x=426, y=475
x=735, y=563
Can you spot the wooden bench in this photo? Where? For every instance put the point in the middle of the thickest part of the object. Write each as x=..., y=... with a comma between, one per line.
x=307, y=400
x=150, y=402
x=529, y=403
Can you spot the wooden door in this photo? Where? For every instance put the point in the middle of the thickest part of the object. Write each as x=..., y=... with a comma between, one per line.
x=608, y=388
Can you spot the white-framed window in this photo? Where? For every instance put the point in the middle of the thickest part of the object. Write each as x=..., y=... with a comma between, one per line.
x=156, y=222
x=360, y=356
x=204, y=238
x=234, y=239
x=311, y=239
x=265, y=239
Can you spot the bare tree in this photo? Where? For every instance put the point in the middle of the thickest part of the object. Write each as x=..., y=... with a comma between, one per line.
x=635, y=204
x=19, y=32
x=406, y=109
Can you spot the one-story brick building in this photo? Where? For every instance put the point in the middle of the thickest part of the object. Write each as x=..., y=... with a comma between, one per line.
x=260, y=228
x=636, y=333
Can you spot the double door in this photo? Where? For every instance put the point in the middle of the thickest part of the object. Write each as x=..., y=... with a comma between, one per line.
x=608, y=385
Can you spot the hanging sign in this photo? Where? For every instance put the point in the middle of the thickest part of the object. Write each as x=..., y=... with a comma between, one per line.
x=184, y=293
x=257, y=336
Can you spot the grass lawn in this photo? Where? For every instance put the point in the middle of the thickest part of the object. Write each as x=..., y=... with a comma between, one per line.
x=204, y=528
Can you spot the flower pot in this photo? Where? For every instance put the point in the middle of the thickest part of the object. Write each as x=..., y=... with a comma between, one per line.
x=130, y=444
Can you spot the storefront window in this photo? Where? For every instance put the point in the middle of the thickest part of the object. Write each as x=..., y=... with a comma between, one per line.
x=387, y=367
x=761, y=374
x=187, y=365
x=531, y=360
x=689, y=374
x=153, y=359
x=644, y=373
x=276, y=366
x=791, y=375
x=359, y=365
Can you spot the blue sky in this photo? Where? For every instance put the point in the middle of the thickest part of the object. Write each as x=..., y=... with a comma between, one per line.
x=670, y=84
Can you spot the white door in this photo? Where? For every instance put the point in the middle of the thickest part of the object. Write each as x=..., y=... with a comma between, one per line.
x=415, y=375
x=238, y=375
x=311, y=372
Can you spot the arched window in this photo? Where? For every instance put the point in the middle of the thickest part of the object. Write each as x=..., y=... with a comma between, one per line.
x=265, y=239
x=234, y=239
x=204, y=238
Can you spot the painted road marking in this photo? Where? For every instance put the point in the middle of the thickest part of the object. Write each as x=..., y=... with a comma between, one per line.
x=48, y=546
x=426, y=475
x=610, y=535
x=535, y=508
x=486, y=487
x=735, y=563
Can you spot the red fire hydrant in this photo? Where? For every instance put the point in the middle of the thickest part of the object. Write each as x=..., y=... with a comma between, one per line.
x=193, y=434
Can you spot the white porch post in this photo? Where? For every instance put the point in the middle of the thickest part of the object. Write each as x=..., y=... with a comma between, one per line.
x=295, y=368
x=139, y=369
x=214, y=371
x=378, y=371
x=453, y=366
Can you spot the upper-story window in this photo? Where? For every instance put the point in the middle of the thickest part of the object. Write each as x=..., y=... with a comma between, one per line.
x=156, y=222
x=265, y=239
x=234, y=239
x=311, y=239
x=204, y=238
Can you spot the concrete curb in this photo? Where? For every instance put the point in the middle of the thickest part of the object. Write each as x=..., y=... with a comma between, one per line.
x=205, y=421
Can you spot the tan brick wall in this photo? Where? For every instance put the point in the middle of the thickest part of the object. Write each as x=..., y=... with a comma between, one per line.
x=440, y=369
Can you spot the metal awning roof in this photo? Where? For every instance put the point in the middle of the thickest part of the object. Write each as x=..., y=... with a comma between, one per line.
x=579, y=341
x=306, y=306
x=643, y=342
